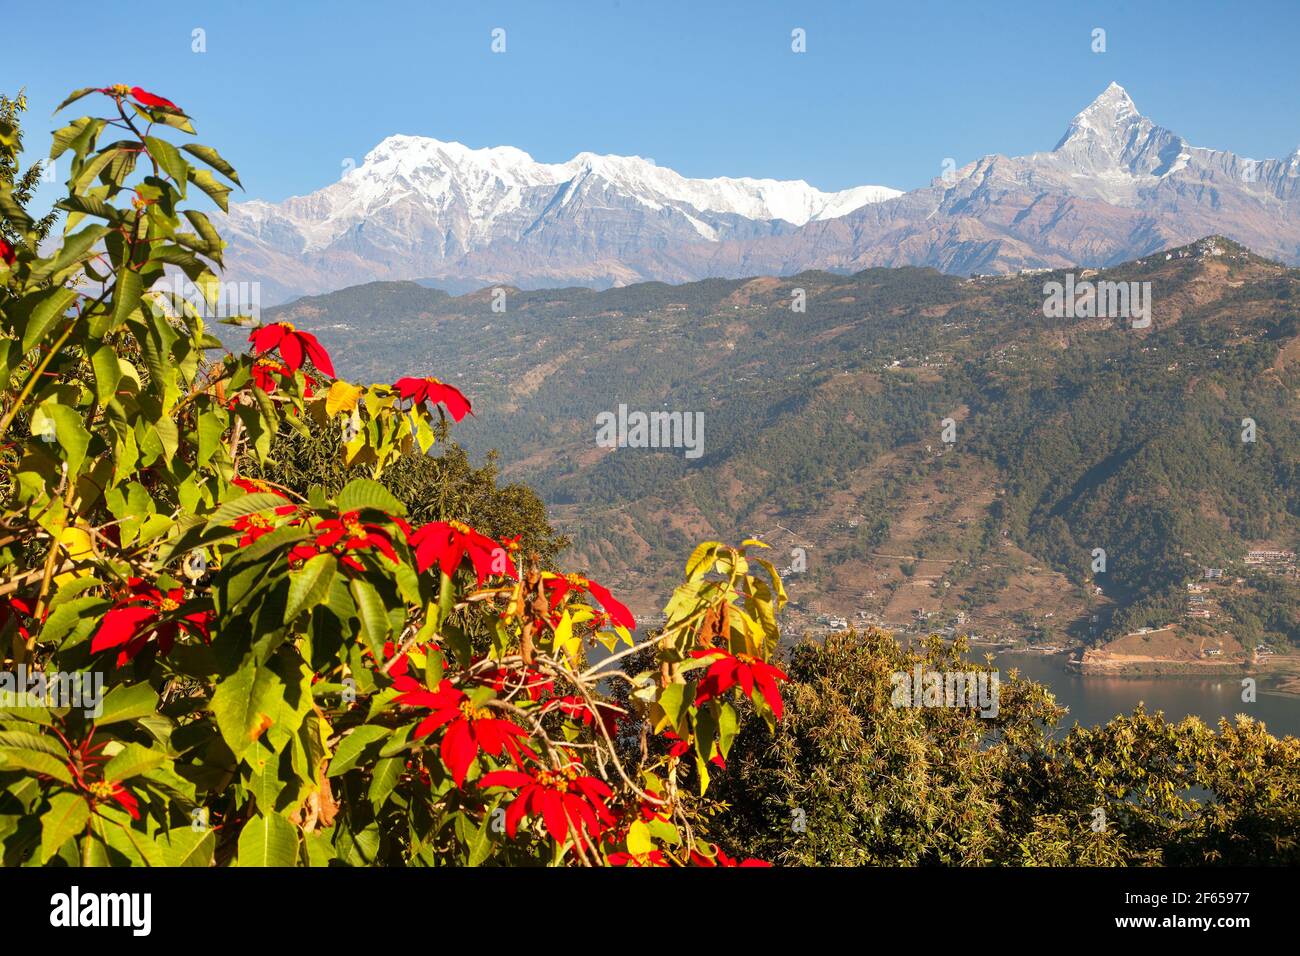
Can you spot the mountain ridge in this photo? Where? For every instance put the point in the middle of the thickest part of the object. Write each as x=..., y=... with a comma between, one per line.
x=1116, y=186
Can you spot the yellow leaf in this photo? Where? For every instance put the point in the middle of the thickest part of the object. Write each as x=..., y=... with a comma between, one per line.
x=77, y=543
x=342, y=397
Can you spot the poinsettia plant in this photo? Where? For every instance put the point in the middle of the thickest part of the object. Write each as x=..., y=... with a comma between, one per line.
x=282, y=676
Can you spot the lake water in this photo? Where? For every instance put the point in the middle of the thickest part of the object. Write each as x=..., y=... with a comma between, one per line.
x=1095, y=700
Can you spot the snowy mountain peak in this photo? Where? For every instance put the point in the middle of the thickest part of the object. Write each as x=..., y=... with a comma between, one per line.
x=1105, y=120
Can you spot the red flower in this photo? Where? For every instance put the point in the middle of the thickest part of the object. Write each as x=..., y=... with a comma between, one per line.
x=86, y=757
x=118, y=793
x=525, y=680
x=749, y=672
x=257, y=524
x=469, y=728
x=143, y=97
x=653, y=858
x=448, y=542
x=401, y=666
x=257, y=486
x=7, y=253
x=292, y=345
x=421, y=390
x=346, y=533
x=566, y=799
x=141, y=615
x=721, y=859
x=15, y=609
x=575, y=707
x=560, y=586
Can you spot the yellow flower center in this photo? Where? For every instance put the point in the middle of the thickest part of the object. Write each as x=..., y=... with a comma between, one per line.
x=353, y=527
x=471, y=712
x=167, y=604
x=121, y=89
x=256, y=520
x=576, y=580
x=101, y=789
x=746, y=659
x=458, y=526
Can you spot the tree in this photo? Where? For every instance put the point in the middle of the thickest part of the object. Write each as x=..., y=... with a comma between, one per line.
x=253, y=656
x=23, y=184
x=850, y=777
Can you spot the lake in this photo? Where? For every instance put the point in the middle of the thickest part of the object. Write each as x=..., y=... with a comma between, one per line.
x=1095, y=700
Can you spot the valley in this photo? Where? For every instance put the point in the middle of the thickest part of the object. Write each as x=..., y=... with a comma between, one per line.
x=825, y=436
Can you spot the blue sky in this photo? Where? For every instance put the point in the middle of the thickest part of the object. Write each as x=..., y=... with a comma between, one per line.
x=885, y=92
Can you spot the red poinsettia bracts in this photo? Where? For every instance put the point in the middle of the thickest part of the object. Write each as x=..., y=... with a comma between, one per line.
x=469, y=728
x=401, y=665
x=730, y=670
x=17, y=610
x=557, y=587
x=142, y=614
x=508, y=681
x=575, y=707
x=85, y=757
x=720, y=858
x=7, y=253
x=257, y=524
x=293, y=345
x=566, y=799
x=449, y=542
x=143, y=97
x=421, y=390
x=344, y=534
x=623, y=858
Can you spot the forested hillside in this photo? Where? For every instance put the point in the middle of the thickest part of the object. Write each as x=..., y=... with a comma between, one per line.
x=1069, y=434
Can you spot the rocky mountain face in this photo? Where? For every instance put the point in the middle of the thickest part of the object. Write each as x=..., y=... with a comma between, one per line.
x=465, y=218
x=1115, y=187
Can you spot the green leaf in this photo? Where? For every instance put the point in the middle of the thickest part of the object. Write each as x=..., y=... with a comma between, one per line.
x=46, y=312
x=66, y=817
x=213, y=159
x=72, y=435
x=169, y=158
x=208, y=183
x=371, y=610
x=186, y=846
x=236, y=508
x=310, y=585
x=268, y=840
x=74, y=96
x=108, y=372
x=16, y=758
x=127, y=702
x=21, y=740
x=353, y=746
x=384, y=779
x=132, y=760
x=126, y=299
x=365, y=493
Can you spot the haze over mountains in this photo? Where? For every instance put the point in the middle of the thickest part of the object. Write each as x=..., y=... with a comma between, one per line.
x=1115, y=187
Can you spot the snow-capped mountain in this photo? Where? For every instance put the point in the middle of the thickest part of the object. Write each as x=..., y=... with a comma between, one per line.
x=421, y=208
x=1116, y=186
